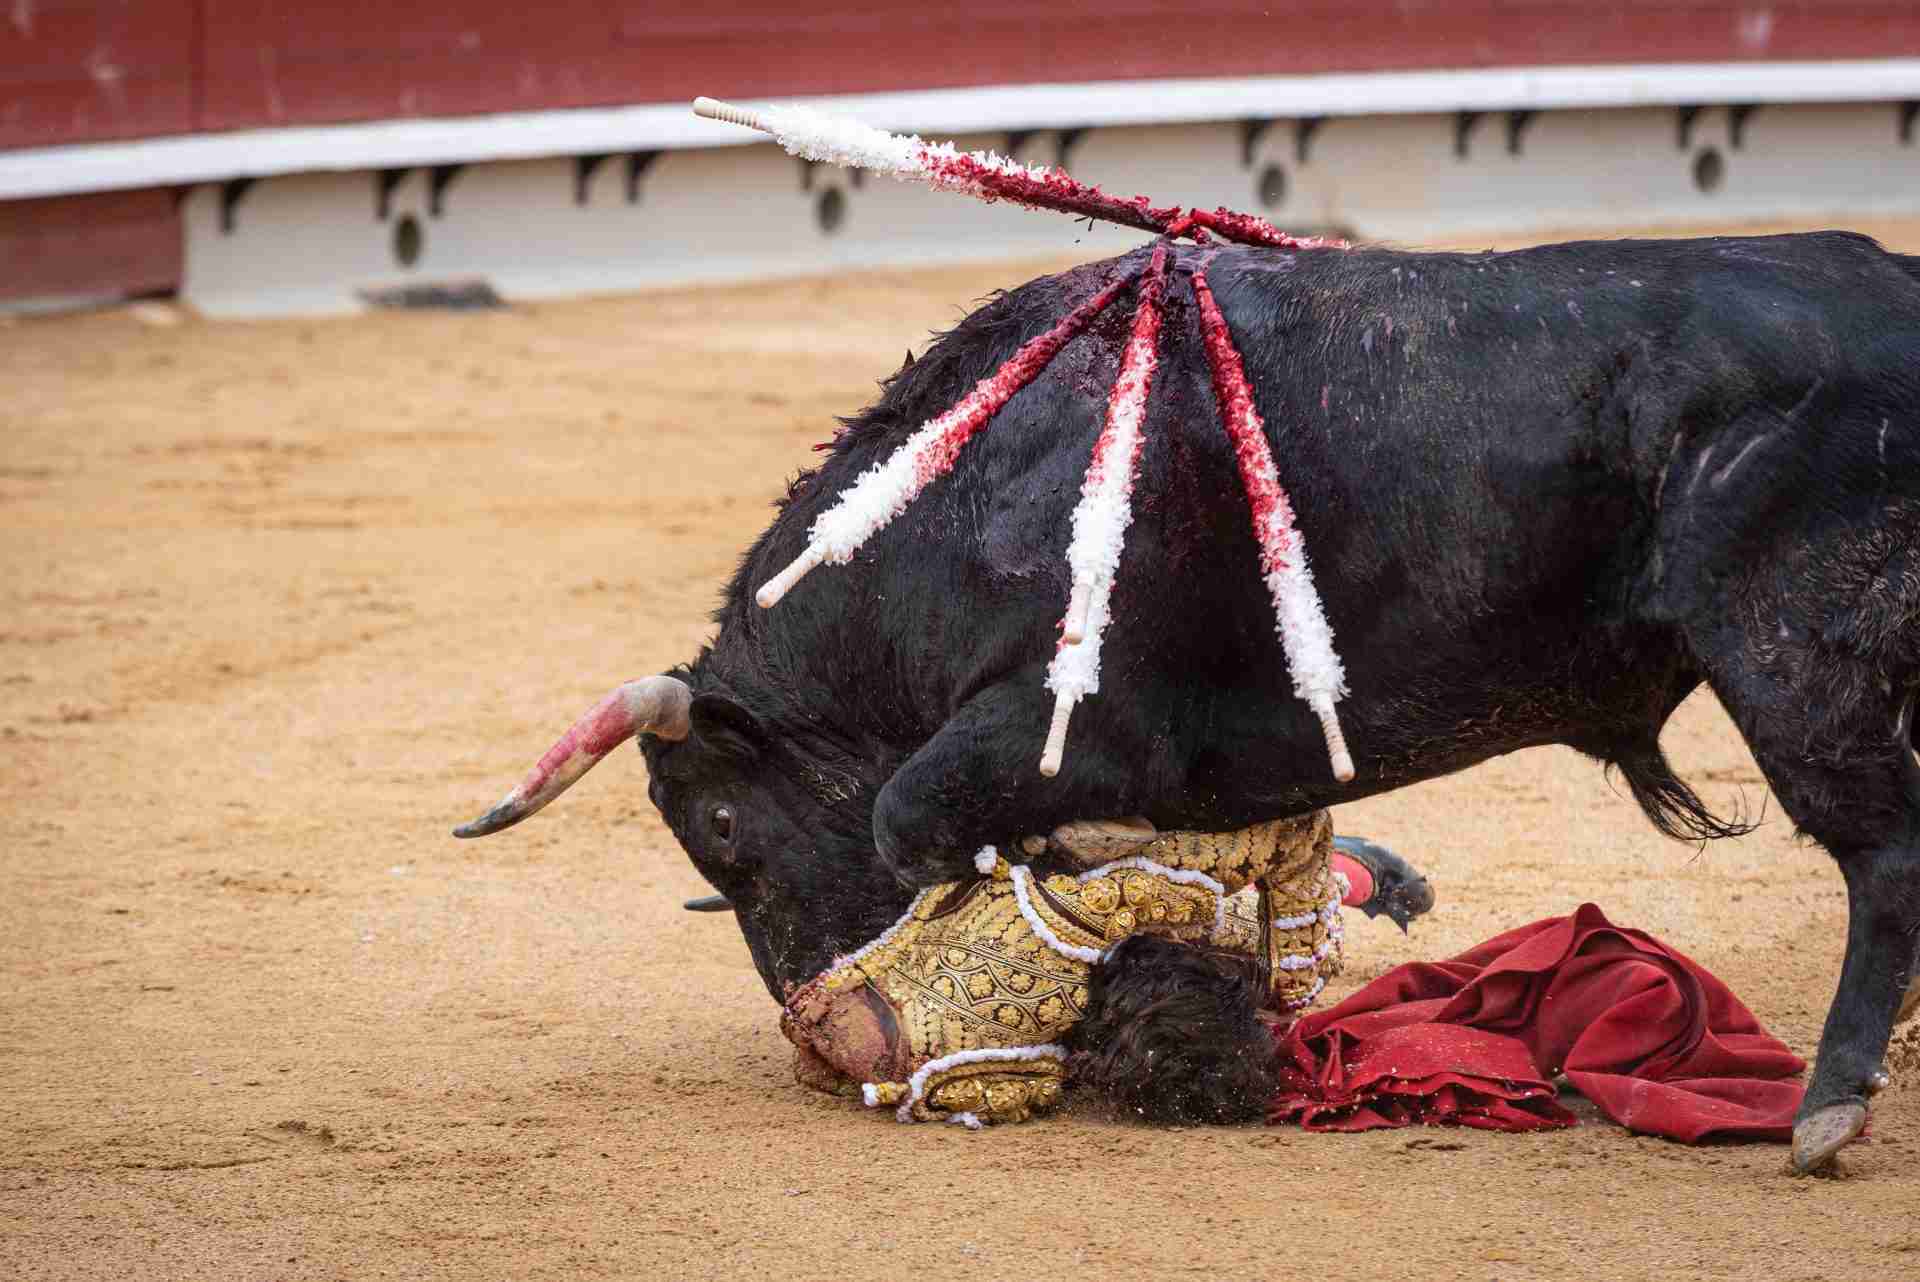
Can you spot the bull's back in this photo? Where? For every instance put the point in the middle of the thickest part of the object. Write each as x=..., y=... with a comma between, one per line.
x=1475, y=447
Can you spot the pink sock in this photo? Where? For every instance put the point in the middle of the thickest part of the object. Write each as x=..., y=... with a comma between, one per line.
x=1359, y=879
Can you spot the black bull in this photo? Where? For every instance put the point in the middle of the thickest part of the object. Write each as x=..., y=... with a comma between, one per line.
x=1546, y=494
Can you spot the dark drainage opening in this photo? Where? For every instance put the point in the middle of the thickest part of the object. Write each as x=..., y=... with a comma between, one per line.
x=1709, y=171
x=1272, y=187
x=408, y=241
x=830, y=210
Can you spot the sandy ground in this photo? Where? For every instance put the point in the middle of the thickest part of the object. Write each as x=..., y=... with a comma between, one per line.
x=284, y=601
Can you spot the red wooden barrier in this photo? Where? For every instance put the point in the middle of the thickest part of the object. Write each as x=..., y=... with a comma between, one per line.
x=113, y=242
x=77, y=70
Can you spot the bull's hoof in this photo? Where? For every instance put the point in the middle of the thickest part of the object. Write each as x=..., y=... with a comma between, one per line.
x=1823, y=1133
x=1400, y=890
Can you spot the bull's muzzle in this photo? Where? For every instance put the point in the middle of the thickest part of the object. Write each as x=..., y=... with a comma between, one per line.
x=653, y=705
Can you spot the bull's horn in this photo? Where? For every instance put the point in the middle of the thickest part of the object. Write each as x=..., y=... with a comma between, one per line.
x=651, y=705
x=709, y=904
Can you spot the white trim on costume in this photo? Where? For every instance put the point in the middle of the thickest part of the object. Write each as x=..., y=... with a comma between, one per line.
x=1022, y=877
x=1305, y=961
x=1313, y=993
x=917, y=1084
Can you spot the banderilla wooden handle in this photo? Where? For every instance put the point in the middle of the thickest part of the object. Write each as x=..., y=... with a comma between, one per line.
x=1056, y=747
x=1336, y=739
x=714, y=109
x=778, y=586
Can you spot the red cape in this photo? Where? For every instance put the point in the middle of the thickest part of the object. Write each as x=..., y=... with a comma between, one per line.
x=1647, y=1034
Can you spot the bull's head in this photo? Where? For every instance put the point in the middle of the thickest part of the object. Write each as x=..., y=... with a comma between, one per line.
x=782, y=831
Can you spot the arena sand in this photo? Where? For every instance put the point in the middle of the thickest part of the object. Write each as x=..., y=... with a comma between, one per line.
x=284, y=601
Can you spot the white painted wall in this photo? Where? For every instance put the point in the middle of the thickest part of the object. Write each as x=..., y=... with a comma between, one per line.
x=525, y=135
x=307, y=243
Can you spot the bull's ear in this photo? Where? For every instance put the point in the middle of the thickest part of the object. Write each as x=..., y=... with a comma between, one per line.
x=728, y=726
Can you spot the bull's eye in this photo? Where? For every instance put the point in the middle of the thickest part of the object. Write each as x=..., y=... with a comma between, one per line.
x=723, y=825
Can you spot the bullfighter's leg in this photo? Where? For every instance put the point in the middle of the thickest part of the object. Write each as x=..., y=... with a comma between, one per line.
x=1833, y=736
x=1379, y=881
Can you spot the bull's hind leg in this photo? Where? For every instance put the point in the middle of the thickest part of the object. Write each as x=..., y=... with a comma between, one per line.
x=1883, y=913
x=1832, y=734
x=1910, y=1005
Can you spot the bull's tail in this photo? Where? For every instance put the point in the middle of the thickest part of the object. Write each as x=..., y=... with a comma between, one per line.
x=1672, y=807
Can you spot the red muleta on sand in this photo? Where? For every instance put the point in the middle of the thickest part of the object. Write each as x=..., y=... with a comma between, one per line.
x=1101, y=518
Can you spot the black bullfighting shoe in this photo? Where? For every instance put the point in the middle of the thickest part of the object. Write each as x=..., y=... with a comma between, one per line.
x=1398, y=889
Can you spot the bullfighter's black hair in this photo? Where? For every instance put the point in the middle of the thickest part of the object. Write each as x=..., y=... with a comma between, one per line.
x=1172, y=1036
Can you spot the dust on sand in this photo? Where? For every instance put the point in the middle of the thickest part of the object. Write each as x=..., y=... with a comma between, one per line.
x=284, y=601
